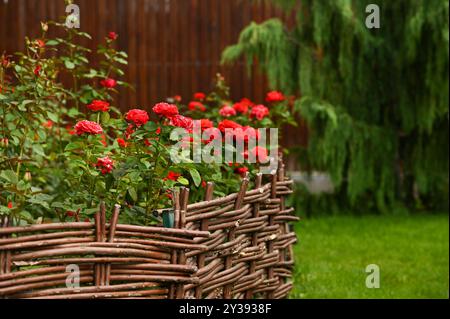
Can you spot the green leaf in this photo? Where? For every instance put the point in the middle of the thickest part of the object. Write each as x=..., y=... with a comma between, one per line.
x=69, y=65
x=38, y=149
x=22, y=185
x=105, y=117
x=132, y=193
x=53, y=117
x=73, y=146
x=183, y=181
x=121, y=61
x=10, y=176
x=51, y=43
x=195, y=176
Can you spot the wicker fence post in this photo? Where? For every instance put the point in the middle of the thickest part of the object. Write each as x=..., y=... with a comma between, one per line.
x=270, y=244
x=256, y=206
x=176, y=224
x=184, y=199
x=5, y=255
x=112, y=233
x=227, y=290
x=209, y=193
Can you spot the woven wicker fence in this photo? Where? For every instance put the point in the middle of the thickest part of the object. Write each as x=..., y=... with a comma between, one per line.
x=238, y=246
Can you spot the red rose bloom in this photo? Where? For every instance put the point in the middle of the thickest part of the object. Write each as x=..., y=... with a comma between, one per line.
x=241, y=171
x=196, y=106
x=48, y=124
x=275, y=96
x=112, y=35
x=108, y=83
x=205, y=123
x=182, y=121
x=227, y=111
x=165, y=109
x=199, y=96
x=122, y=142
x=139, y=117
x=172, y=176
x=37, y=70
x=247, y=102
x=88, y=127
x=40, y=43
x=177, y=98
x=10, y=205
x=98, y=105
x=105, y=164
x=240, y=107
x=228, y=124
x=260, y=153
x=246, y=133
x=259, y=112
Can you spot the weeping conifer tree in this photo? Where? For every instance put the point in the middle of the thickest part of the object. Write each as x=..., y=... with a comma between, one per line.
x=375, y=100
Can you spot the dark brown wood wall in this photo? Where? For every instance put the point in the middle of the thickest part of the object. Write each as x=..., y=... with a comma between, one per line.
x=174, y=46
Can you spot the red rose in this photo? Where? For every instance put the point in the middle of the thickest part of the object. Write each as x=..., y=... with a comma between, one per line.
x=48, y=124
x=10, y=205
x=139, y=117
x=247, y=102
x=40, y=43
x=158, y=131
x=98, y=105
x=199, y=96
x=37, y=70
x=194, y=105
x=177, y=98
x=241, y=107
x=275, y=96
x=108, y=83
x=205, y=123
x=172, y=176
x=105, y=164
x=182, y=121
x=112, y=35
x=260, y=153
x=88, y=127
x=122, y=142
x=259, y=112
x=241, y=171
x=165, y=109
x=228, y=124
x=245, y=133
x=227, y=111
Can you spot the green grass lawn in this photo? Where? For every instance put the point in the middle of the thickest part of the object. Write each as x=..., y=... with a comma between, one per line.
x=412, y=253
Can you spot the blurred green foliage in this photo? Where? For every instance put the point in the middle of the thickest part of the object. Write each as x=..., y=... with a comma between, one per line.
x=375, y=100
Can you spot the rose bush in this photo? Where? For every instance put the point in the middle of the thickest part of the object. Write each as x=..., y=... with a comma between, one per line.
x=65, y=146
